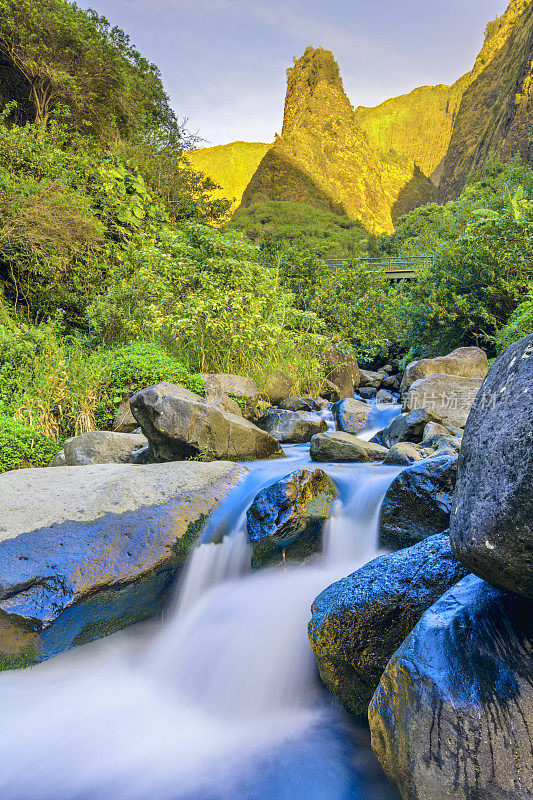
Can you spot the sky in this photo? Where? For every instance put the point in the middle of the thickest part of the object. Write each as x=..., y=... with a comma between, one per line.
x=223, y=62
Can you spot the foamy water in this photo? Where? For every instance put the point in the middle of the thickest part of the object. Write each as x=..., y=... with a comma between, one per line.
x=219, y=701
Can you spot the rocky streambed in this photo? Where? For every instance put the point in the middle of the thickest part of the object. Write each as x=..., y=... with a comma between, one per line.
x=429, y=636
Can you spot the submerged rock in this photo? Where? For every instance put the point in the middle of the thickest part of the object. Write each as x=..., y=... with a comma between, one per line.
x=453, y=714
x=343, y=447
x=285, y=520
x=361, y=620
x=351, y=415
x=97, y=548
x=418, y=502
x=296, y=427
x=492, y=520
x=178, y=424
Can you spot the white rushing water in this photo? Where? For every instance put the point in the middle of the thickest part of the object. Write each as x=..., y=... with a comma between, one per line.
x=221, y=700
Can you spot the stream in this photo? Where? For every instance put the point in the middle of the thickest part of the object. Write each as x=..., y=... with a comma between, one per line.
x=220, y=700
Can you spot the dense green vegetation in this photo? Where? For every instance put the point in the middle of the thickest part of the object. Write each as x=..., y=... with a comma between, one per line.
x=115, y=273
x=326, y=234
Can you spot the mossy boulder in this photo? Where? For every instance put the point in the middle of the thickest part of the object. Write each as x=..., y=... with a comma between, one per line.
x=285, y=521
x=361, y=620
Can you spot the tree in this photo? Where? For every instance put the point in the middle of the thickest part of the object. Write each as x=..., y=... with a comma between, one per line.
x=62, y=55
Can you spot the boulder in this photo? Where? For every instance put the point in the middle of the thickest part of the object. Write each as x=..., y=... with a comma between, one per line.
x=360, y=621
x=367, y=393
x=224, y=402
x=449, y=396
x=330, y=391
x=342, y=370
x=58, y=460
x=392, y=383
x=344, y=447
x=100, y=447
x=433, y=429
x=235, y=385
x=384, y=396
x=404, y=453
x=296, y=427
x=85, y=551
x=408, y=427
x=371, y=380
x=178, y=426
x=453, y=714
x=285, y=520
x=124, y=421
x=467, y=362
x=351, y=415
x=278, y=387
x=492, y=520
x=418, y=503
x=300, y=404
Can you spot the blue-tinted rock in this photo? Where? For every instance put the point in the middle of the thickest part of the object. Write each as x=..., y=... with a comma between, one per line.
x=361, y=620
x=285, y=520
x=492, y=522
x=351, y=415
x=418, y=502
x=452, y=718
x=87, y=550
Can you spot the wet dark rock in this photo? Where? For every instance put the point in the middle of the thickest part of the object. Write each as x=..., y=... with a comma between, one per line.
x=300, y=404
x=409, y=427
x=453, y=714
x=367, y=393
x=338, y=447
x=392, y=383
x=178, y=424
x=97, y=548
x=285, y=520
x=418, y=502
x=351, y=415
x=296, y=427
x=360, y=621
x=492, y=521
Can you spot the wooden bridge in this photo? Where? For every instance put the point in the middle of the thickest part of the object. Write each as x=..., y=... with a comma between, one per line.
x=396, y=269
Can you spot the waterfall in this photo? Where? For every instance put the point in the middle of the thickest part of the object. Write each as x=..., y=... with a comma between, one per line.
x=218, y=701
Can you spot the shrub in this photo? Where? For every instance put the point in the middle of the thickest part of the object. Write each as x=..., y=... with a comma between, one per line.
x=520, y=324
x=21, y=446
x=126, y=369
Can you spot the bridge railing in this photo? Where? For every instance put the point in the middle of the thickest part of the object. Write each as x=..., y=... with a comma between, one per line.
x=393, y=265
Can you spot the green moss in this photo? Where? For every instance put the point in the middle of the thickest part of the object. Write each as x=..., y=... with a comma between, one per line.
x=27, y=657
x=184, y=545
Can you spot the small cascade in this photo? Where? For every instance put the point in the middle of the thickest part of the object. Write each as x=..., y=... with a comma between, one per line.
x=219, y=701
